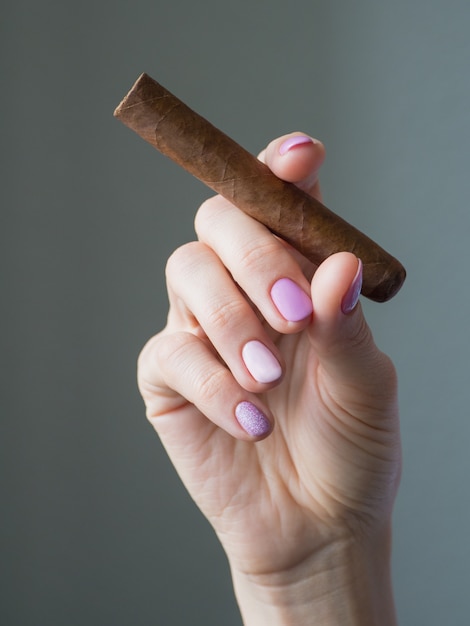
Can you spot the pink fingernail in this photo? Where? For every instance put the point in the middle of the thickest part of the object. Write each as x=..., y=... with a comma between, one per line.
x=290, y=300
x=352, y=295
x=293, y=142
x=252, y=420
x=261, y=362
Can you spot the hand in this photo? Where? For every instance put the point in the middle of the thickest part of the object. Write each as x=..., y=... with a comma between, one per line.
x=272, y=400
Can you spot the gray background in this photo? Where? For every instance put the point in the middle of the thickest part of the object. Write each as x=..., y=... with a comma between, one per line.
x=95, y=526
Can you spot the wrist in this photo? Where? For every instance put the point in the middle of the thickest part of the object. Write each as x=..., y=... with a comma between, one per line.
x=345, y=582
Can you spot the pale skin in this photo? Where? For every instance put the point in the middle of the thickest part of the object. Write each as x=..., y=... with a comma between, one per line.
x=302, y=509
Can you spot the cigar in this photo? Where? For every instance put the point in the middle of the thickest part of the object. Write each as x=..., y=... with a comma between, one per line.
x=214, y=158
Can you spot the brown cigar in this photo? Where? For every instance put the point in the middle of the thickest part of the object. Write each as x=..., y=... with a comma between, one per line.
x=191, y=141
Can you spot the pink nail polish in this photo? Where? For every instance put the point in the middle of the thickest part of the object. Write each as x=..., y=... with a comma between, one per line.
x=352, y=295
x=294, y=142
x=261, y=362
x=290, y=300
x=252, y=420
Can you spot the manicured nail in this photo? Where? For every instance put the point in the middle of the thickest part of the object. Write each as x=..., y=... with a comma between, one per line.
x=352, y=295
x=293, y=142
x=252, y=420
x=261, y=362
x=290, y=300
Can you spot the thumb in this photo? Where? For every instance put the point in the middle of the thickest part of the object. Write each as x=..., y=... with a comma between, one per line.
x=341, y=338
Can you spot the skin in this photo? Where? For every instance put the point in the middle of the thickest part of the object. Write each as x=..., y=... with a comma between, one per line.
x=303, y=513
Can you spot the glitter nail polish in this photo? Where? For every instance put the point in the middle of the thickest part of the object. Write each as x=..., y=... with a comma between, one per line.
x=252, y=420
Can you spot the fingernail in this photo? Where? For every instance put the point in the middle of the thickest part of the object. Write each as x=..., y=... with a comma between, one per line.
x=261, y=362
x=352, y=295
x=290, y=300
x=252, y=420
x=293, y=142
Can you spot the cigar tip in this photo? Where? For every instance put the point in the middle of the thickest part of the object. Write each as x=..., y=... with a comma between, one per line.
x=120, y=107
x=124, y=102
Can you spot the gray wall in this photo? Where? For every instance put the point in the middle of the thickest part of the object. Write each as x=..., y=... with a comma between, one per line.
x=95, y=527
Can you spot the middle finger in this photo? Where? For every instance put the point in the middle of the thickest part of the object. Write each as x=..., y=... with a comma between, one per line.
x=260, y=263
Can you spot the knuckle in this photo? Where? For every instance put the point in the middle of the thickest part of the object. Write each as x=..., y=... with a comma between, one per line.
x=156, y=355
x=145, y=357
x=183, y=259
x=156, y=366
x=171, y=351
x=210, y=384
x=205, y=215
x=226, y=314
x=204, y=380
x=253, y=257
x=149, y=375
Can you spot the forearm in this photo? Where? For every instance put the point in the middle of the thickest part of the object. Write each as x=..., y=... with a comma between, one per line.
x=344, y=584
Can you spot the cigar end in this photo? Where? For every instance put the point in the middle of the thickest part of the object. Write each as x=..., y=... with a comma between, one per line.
x=387, y=288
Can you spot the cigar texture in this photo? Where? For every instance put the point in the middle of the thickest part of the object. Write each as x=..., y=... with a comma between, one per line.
x=211, y=156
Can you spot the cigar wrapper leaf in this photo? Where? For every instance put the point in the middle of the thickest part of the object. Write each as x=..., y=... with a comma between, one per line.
x=207, y=153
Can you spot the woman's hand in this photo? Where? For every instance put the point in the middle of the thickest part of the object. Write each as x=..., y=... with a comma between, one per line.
x=278, y=411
